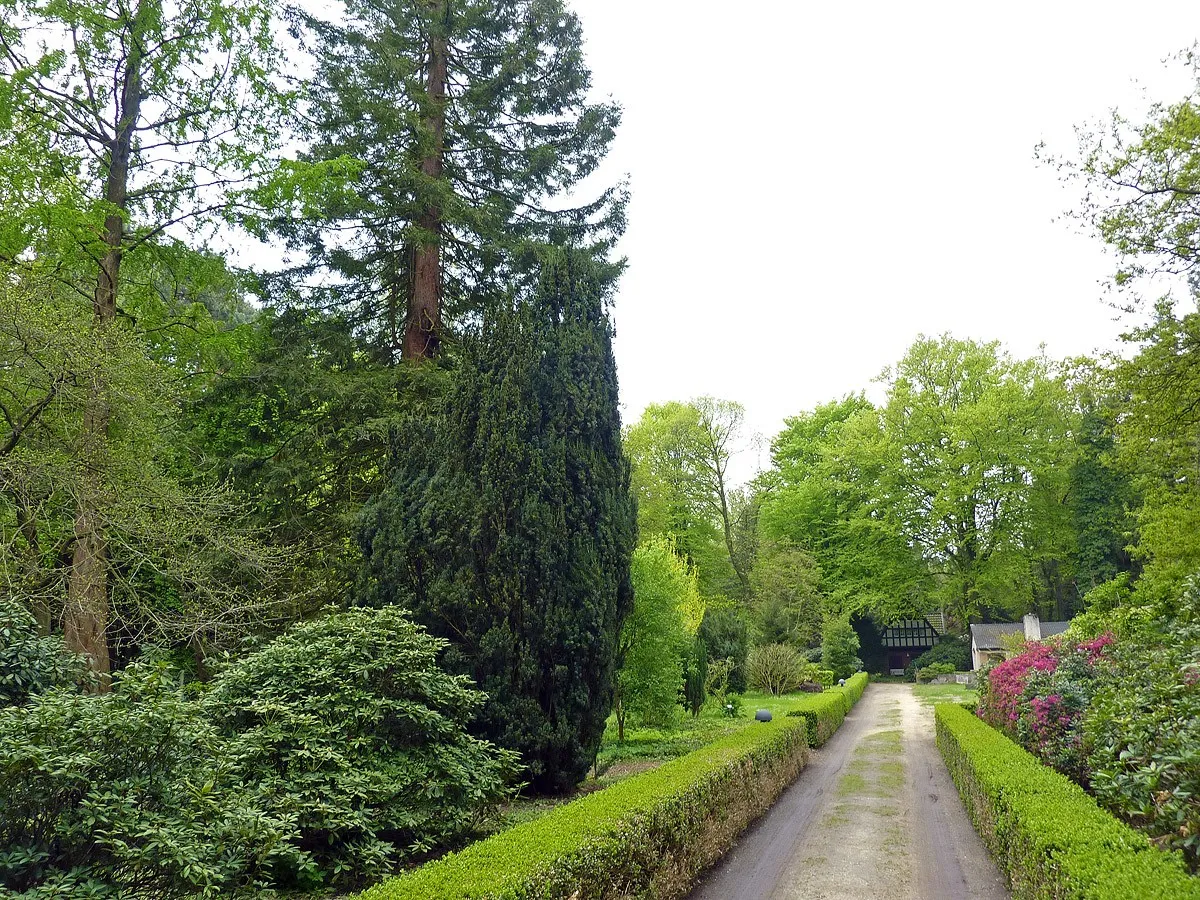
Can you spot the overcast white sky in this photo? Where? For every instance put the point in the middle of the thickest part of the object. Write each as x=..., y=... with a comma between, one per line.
x=816, y=184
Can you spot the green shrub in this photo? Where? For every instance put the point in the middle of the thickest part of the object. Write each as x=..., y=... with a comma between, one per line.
x=816, y=674
x=727, y=636
x=647, y=836
x=930, y=672
x=348, y=724
x=949, y=650
x=1047, y=835
x=654, y=639
x=839, y=646
x=131, y=793
x=695, y=677
x=1142, y=731
x=774, y=668
x=823, y=713
x=29, y=662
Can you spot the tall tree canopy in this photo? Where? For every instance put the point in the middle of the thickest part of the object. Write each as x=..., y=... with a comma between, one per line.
x=472, y=123
x=508, y=525
x=680, y=454
x=122, y=127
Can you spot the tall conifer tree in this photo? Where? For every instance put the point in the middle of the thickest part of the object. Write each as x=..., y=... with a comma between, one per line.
x=471, y=120
x=508, y=527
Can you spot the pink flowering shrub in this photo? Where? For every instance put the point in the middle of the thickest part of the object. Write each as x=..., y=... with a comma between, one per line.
x=1001, y=697
x=1039, y=697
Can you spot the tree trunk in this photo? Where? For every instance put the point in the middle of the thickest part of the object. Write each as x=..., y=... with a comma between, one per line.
x=738, y=570
x=423, y=320
x=85, y=618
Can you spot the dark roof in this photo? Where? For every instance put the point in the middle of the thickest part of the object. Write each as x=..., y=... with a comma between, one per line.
x=916, y=634
x=987, y=637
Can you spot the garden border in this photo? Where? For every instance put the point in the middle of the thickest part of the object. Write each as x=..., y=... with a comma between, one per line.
x=650, y=835
x=1046, y=834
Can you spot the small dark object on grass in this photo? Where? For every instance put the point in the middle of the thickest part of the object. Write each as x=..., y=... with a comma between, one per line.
x=763, y=715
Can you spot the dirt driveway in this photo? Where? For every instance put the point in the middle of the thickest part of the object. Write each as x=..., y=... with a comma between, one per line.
x=875, y=815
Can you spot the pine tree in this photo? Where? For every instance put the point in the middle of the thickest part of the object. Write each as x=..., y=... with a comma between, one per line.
x=470, y=119
x=508, y=525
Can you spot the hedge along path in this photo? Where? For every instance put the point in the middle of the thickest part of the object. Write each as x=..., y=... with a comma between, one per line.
x=874, y=816
x=648, y=836
x=1048, y=835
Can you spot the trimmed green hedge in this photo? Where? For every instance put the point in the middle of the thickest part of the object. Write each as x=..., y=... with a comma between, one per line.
x=647, y=836
x=1046, y=834
x=824, y=712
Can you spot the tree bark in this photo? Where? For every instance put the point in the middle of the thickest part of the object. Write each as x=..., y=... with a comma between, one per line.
x=85, y=619
x=423, y=320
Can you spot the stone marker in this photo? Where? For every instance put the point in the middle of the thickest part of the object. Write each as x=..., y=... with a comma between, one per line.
x=763, y=715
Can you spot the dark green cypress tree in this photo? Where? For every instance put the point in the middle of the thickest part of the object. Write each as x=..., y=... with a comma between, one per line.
x=508, y=524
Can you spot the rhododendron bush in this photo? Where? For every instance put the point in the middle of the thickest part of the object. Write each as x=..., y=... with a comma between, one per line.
x=1122, y=718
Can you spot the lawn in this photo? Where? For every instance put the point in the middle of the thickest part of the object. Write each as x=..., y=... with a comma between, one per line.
x=944, y=693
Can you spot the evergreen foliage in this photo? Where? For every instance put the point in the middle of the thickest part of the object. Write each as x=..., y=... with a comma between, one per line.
x=347, y=725
x=29, y=662
x=727, y=636
x=467, y=159
x=508, y=525
x=839, y=647
x=132, y=793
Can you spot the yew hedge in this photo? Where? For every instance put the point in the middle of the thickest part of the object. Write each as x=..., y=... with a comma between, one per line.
x=823, y=713
x=648, y=836
x=1046, y=834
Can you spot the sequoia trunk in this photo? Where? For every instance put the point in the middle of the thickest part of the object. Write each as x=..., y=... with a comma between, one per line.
x=423, y=320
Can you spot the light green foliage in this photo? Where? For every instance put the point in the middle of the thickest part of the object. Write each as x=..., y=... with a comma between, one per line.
x=952, y=493
x=774, y=668
x=1157, y=445
x=30, y=663
x=973, y=446
x=680, y=454
x=1049, y=837
x=348, y=725
x=199, y=69
x=655, y=636
x=787, y=602
x=182, y=559
x=663, y=446
x=1142, y=182
x=821, y=498
x=839, y=647
x=651, y=833
x=132, y=793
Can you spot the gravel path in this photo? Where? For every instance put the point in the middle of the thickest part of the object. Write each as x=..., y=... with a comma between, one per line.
x=874, y=815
